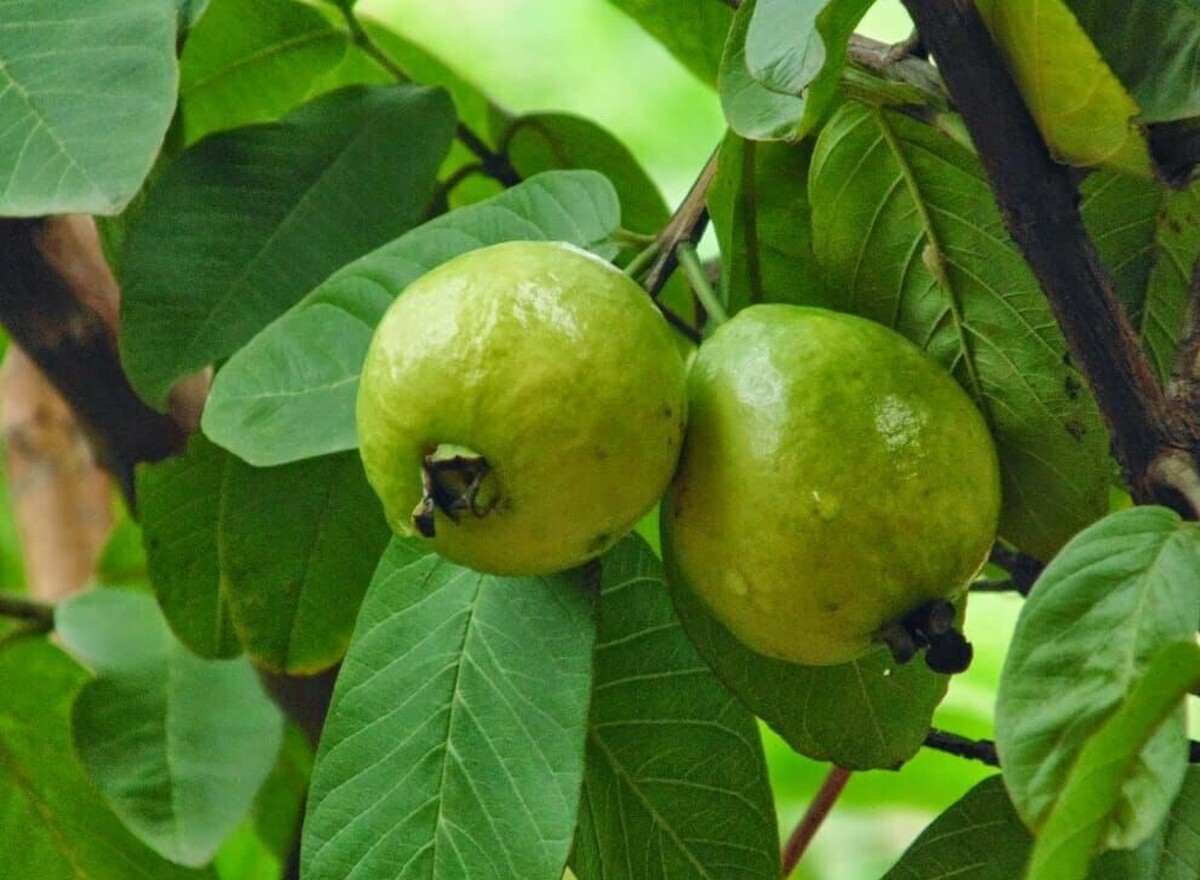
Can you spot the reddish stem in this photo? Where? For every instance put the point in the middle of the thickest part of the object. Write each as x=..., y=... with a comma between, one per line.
x=813, y=817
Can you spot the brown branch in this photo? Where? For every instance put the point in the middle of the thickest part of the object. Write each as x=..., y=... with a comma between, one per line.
x=983, y=750
x=1039, y=202
x=687, y=224
x=27, y=610
x=1023, y=571
x=48, y=288
x=810, y=823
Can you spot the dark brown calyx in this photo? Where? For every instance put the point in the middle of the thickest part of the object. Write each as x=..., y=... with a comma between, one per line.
x=455, y=481
x=929, y=627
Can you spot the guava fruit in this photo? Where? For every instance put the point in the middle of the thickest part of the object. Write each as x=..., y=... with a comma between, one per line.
x=521, y=406
x=834, y=482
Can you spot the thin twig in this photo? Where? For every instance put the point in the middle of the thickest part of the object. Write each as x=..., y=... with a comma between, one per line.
x=698, y=279
x=1023, y=571
x=686, y=224
x=40, y=614
x=983, y=750
x=1039, y=201
x=810, y=823
x=495, y=165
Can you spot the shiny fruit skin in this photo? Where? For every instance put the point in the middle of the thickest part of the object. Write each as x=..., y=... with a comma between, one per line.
x=553, y=366
x=833, y=478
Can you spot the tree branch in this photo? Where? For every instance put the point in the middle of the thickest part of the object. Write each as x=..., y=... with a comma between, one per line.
x=812, y=819
x=983, y=750
x=44, y=308
x=687, y=224
x=1039, y=202
x=28, y=610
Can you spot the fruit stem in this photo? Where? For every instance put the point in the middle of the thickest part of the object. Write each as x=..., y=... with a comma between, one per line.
x=811, y=821
x=642, y=260
x=694, y=270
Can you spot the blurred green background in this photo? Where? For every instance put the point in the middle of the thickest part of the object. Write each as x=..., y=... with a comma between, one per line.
x=589, y=58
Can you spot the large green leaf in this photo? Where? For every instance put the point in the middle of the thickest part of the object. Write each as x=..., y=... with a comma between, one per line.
x=86, y=93
x=1147, y=236
x=863, y=715
x=751, y=109
x=53, y=822
x=179, y=501
x=454, y=745
x=1154, y=47
x=763, y=220
x=981, y=838
x=1082, y=109
x=1088, y=812
x=907, y=232
x=298, y=545
x=798, y=47
x=692, y=30
x=246, y=222
x=664, y=736
x=252, y=62
x=178, y=745
x=281, y=399
x=1118, y=593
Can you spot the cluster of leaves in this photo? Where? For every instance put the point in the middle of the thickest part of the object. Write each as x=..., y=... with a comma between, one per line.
x=273, y=173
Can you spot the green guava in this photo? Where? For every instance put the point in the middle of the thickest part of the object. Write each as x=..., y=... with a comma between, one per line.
x=834, y=479
x=521, y=406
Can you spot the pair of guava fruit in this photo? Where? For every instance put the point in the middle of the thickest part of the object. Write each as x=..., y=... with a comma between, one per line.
x=523, y=405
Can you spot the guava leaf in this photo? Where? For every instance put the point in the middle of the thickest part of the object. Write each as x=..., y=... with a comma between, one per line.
x=751, y=109
x=798, y=47
x=981, y=838
x=1154, y=47
x=1117, y=593
x=1148, y=236
x=549, y=141
x=179, y=501
x=246, y=222
x=177, y=745
x=280, y=400
x=55, y=822
x=86, y=94
x=1082, y=109
x=865, y=715
x=252, y=62
x=663, y=733
x=454, y=745
x=1088, y=812
x=763, y=220
x=908, y=234
x=298, y=545
x=691, y=30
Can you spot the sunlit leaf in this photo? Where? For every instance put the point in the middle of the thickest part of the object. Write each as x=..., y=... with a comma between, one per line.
x=1084, y=112
x=1118, y=593
x=691, y=30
